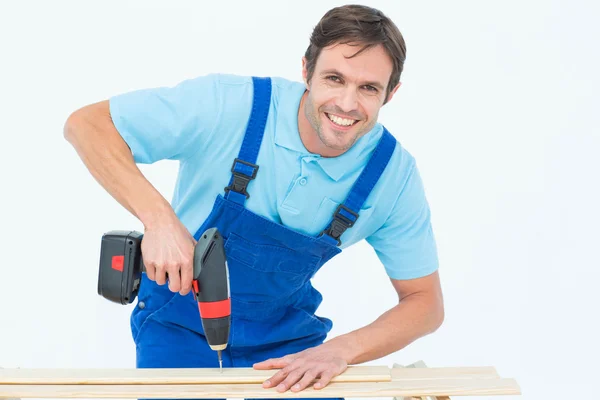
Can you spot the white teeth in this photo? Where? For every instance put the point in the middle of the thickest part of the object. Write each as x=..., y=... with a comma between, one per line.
x=341, y=121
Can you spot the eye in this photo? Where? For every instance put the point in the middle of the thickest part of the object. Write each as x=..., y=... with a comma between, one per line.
x=371, y=88
x=333, y=78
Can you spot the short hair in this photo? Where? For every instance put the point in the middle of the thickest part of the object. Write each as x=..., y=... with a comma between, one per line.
x=358, y=24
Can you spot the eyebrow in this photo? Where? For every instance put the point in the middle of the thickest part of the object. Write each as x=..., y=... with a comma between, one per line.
x=334, y=71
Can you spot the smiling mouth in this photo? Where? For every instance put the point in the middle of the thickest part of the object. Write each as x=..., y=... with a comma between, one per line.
x=341, y=122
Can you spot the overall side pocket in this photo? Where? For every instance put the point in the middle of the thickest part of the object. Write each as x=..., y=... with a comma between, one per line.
x=152, y=300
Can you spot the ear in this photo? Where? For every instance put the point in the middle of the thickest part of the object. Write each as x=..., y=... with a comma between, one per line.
x=304, y=72
x=389, y=98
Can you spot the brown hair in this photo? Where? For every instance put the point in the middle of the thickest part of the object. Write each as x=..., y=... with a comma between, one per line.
x=360, y=24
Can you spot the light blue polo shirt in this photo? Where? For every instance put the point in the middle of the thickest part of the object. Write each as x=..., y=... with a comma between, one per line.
x=201, y=123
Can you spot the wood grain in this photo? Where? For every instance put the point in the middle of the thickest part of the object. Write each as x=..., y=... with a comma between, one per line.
x=483, y=371
x=443, y=373
x=228, y=376
x=405, y=387
x=171, y=376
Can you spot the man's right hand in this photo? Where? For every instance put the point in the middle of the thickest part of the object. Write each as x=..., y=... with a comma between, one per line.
x=168, y=253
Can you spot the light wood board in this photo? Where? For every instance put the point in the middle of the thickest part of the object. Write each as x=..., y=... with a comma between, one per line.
x=420, y=369
x=417, y=364
x=356, y=381
x=443, y=373
x=227, y=376
x=171, y=376
x=403, y=387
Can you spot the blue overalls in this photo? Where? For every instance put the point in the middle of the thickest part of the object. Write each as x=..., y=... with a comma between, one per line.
x=270, y=266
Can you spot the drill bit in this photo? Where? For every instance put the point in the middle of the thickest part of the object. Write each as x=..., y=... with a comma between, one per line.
x=220, y=361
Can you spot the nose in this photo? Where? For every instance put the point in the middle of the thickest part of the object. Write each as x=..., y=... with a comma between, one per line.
x=348, y=100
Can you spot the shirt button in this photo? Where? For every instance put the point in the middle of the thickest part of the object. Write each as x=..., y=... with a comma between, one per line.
x=303, y=181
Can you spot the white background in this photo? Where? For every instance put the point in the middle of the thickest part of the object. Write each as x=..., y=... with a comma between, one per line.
x=499, y=105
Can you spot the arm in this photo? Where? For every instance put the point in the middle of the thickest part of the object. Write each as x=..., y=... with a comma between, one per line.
x=91, y=132
x=143, y=126
x=406, y=246
x=146, y=126
x=419, y=312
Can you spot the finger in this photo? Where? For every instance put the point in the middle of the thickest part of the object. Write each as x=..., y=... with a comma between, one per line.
x=277, y=378
x=150, y=270
x=186, y=277
x=174, y=278
x=307, y=379
x=160, y=275
x=272, y=363
x=292, y=378
x=326, y=377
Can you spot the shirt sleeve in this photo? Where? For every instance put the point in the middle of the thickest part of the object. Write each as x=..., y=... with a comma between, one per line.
x=167, y=122
x=405, y=244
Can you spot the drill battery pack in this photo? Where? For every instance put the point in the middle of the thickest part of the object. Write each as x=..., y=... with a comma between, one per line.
x=121, y=266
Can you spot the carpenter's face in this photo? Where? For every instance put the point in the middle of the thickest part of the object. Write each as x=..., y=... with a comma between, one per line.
x=344, y=96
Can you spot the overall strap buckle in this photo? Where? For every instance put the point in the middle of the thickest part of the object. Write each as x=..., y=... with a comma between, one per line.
x=341, y=222
x=242, y=175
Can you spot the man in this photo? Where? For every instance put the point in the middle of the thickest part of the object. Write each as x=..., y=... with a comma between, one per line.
x=313, y=172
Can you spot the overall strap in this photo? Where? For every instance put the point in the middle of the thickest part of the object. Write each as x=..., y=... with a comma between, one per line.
x=346, y=214
x=244, y=168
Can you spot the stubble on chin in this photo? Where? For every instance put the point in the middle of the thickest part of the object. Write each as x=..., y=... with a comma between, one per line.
x=335, y=146
x=313, y=117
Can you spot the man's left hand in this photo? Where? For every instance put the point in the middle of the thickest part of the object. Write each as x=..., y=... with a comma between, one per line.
x=299, y=370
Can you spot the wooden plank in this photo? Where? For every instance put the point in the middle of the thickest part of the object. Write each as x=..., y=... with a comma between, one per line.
x=413, y=365
x=419, y=370
x=228, y=376
x=395, y=366
x=415, y=388
x=169, y=376
x=443, y=373
x=8, y=398
x=421, y=364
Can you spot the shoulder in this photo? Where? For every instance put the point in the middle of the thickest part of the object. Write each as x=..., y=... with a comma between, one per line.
x=235, y=92
x=215, y=86
x=244, y=84
x=399, y=190
x=227, y=85
x=278, y=84
x=231, y=80
x=403, y=235
x=283, y=86
x=401, y=166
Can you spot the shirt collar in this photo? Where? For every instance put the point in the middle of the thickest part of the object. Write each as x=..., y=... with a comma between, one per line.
x=288, y=136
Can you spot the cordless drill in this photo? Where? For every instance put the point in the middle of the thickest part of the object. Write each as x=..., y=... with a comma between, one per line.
x=122, y=265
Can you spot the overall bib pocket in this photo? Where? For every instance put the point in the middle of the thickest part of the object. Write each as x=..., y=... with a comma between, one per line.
x=266, y=272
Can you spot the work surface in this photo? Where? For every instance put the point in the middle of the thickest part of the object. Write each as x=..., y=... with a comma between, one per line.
x=356, y=381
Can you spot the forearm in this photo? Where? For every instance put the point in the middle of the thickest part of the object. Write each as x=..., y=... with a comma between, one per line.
x=108, y=158
x=413, y=317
